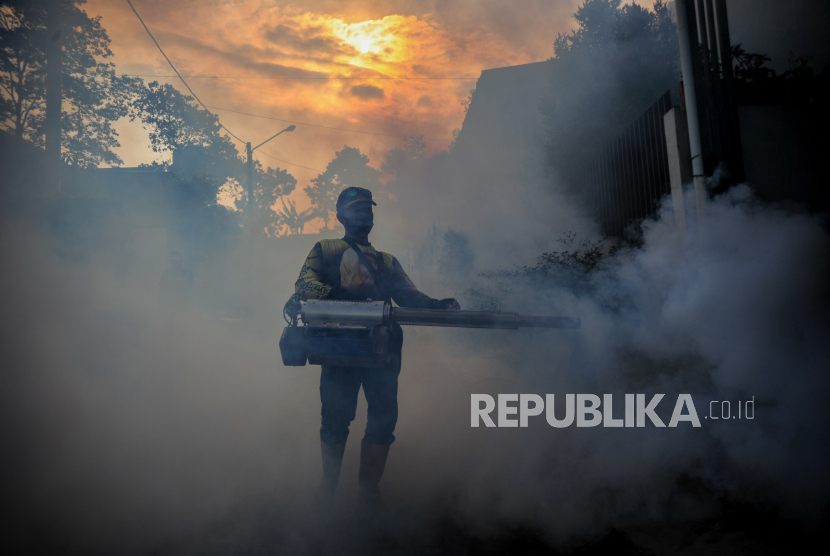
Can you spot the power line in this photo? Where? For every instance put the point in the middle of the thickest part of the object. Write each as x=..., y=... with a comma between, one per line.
x=307, y=78
x=285, y=161
x=245, y=113
x=291, y=163
x=313, y=125
x=177, y=71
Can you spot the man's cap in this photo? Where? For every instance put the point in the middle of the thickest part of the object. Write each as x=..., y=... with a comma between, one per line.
x=354, y=195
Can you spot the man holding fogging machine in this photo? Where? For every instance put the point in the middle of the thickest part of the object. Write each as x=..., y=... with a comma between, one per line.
x=352, y=269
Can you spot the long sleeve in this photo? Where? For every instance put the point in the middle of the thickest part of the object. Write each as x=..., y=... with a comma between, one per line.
x=310, y=284
x=404, y=291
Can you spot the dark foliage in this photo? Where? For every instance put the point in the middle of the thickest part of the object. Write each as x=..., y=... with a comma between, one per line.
x=198, y=223
x=617, y=62
x=570, y=269
x=349, y=168
x=748, y=66
x=799, y=86
x=177, y=124
x=274, y=215
x=93, y=95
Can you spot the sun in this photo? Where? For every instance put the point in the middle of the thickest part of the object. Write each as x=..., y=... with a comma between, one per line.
x=364, y=40
x=376, y=37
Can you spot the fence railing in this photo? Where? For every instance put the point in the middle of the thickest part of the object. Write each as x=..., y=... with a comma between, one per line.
x=626, y=181
x=717, y=108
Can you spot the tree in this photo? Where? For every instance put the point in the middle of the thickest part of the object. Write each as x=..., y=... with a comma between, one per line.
x=750, y=66
x=293, y=221
x=93, y=96
x=193, y=135
x=274, y=185
x=197, y=220
x=597, y=21
x=349, y=168
x=617, y=62
x=571, y=269
x=177, y=124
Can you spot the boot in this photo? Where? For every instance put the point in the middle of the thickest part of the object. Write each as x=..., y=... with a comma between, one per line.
x=372, y=462
x=332, y=459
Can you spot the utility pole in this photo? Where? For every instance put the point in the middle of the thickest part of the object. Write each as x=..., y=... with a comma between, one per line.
x=250, y=216
x=53, y=95
x=251, y=164
x=250, y=174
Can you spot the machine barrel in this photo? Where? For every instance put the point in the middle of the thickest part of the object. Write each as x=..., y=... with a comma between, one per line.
x=378, y=313
x=356, y=333
x=477, y=319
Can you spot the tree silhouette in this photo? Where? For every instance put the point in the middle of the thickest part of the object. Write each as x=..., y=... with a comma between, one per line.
x=349, y=168
x=748, y=65
x=177, y=124
x=293, y=221
x=93, y=96
x=614, y=65
x=274, y=185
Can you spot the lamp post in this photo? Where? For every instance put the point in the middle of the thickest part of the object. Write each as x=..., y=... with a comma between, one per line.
x=251, y=163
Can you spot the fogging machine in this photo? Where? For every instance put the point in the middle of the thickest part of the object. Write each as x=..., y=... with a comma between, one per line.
x=356, y=333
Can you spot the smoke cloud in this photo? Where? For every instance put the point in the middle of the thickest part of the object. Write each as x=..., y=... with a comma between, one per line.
x=133, y=427
x=736, y=310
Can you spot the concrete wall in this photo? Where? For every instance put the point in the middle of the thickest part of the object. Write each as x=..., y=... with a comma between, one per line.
x=505, y=118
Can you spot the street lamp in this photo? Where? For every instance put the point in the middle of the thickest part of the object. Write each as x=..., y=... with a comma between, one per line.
x=251, y=163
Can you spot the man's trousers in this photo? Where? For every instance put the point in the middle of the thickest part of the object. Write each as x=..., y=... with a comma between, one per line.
x=339, y=387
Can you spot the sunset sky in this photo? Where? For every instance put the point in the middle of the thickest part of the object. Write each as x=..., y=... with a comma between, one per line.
x=328, y=63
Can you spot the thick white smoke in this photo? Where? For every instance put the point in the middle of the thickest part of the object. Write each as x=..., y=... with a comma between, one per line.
x=132, y=427
x=734, y=311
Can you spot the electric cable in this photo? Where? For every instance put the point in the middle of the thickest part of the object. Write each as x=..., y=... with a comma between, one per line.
x=178, y=74
x=291, y=163
x=314, y=125
x=307, y=78
x=260, y=116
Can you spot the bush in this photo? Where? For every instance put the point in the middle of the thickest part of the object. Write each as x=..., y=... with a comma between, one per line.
x=570, y=269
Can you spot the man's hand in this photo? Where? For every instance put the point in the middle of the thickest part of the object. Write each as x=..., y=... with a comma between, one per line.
x=448, y=303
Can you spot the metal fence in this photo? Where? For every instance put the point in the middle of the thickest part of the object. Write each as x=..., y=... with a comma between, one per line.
x=625, y=183
x=708, y=31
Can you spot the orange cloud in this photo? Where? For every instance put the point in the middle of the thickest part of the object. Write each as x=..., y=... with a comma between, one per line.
x=322, y=63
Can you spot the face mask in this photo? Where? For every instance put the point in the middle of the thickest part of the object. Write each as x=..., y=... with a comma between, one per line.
x=359, y=227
